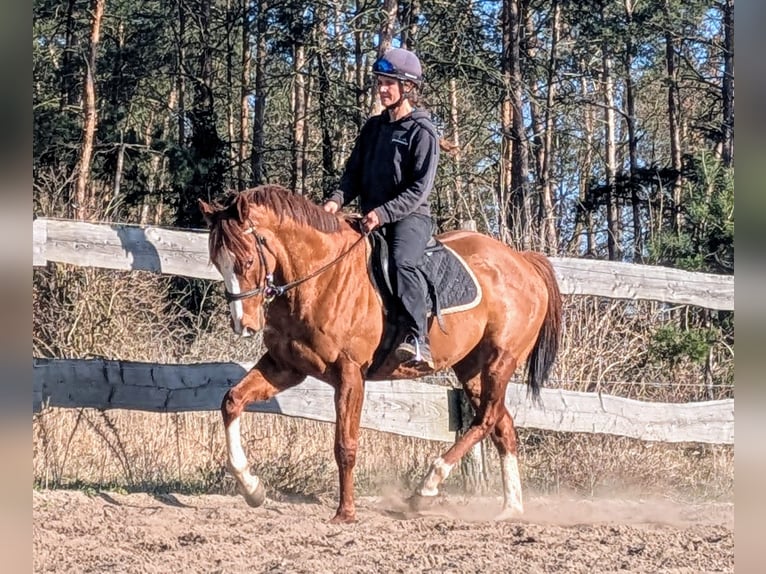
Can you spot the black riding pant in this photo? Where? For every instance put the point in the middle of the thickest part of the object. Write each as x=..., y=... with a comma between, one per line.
x=407, y=241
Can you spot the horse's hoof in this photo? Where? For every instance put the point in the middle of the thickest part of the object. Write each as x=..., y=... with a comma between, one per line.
x=418, y=502
x=509, y=514
x=255, y=498
x=343, y=518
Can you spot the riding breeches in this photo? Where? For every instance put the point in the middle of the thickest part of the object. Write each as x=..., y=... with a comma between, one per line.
x=407, y=239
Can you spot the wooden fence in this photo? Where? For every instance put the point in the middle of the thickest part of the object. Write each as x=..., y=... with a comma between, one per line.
x=404, y=407
x=184, y=252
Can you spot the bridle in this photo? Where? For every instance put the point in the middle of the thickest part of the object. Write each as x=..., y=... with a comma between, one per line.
x=269, y=289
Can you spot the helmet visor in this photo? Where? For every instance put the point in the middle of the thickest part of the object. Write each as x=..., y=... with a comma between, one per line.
x=383, y=66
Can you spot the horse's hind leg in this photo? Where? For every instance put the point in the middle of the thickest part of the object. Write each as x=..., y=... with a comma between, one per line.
x=487, y=394
x=440, y=468
x=504, y=438
x=261, y=383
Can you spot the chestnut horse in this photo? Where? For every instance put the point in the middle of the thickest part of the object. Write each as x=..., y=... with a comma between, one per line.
x=301, y=274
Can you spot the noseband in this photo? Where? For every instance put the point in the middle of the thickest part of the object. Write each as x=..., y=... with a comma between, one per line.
x=269, y=289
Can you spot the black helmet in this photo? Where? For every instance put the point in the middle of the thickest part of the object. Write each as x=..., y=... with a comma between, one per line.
x=400, y=64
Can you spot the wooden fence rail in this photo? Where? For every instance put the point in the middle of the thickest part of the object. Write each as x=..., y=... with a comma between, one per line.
x=184, y=252
x=403, y=407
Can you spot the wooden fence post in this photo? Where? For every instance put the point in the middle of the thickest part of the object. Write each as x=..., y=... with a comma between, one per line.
x=473, y=466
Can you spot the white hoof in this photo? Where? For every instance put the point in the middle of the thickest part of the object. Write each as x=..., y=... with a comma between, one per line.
x=255, y=497
x=509, y=514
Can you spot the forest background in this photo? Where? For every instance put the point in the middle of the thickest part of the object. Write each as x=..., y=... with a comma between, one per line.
x=597, y=128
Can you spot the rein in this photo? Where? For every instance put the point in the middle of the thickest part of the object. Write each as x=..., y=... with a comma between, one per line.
x=271, y=290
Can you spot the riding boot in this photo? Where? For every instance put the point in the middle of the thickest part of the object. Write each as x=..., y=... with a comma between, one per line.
x=415, y=350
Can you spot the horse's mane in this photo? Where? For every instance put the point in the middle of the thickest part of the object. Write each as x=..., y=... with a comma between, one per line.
x=286, y=204
x=278, y=199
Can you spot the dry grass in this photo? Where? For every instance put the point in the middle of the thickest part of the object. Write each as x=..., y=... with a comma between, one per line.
x=186, y=452
x=86, y=313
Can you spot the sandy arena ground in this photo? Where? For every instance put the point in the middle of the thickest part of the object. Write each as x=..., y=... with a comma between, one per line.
x=141, y=533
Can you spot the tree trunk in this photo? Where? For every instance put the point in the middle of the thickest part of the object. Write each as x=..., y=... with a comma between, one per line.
x=386, y=35
x=328, y=163
x=244, y=97
x=584, y=218
x=727, y=87
x=520, y=205
x=409, y=21
x=299, y=117
x=537, y=115
x=454, y=205
x=68, y=95
x=304, y=174
x=610, y=167
x=231, y=91
x=120, y=163
x=388, y=25
x=548, y=238
x=83, y=197
x=505, y=173
x=473, y=466
x=203, y=81
x=157, y=167
x=256, y=157
x=181, y=73
x=359, y=73
x=673, y=119
x=590, y=233
x=115, y=102
x=630, y=103
x=207, y=151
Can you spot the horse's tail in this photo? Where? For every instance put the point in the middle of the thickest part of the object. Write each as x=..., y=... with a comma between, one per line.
x=546, y=347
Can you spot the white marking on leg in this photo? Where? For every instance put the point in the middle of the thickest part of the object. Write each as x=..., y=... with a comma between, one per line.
x=438, y=472
x=226, y=265
x=238, y=460
x=509, y=466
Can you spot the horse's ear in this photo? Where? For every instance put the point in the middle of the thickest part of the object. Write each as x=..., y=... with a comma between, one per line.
x=207, y=211
x=243, y=208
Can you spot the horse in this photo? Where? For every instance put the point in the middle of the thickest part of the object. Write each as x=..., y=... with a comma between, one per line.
x=300, y=274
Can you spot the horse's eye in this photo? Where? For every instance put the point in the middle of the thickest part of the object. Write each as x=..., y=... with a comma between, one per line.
x=243, y=265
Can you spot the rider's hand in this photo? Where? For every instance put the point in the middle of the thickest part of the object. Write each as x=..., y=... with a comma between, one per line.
x=331, y=206
x=371, y=220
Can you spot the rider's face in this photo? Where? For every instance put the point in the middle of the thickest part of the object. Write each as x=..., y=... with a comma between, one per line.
x=389, y=90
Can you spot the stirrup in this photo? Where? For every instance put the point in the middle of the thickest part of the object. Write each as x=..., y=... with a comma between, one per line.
x=410, y=351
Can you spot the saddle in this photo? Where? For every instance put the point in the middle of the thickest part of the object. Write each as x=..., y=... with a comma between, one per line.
x=448, y=284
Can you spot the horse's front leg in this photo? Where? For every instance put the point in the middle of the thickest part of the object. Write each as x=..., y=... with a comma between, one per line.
x=349, y=396
x=262, y=382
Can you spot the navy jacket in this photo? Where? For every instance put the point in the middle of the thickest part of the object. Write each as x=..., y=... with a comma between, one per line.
x=392, y=167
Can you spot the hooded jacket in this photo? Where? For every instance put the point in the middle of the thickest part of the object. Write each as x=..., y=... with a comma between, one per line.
x=392, y=167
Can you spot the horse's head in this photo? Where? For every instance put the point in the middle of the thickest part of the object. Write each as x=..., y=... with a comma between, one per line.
x=254, y=235
x=238, y=251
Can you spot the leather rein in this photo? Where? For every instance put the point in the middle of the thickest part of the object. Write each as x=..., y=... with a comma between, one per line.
x=269, y=289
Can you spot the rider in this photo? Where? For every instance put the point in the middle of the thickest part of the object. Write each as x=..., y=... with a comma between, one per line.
x=391, y=169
